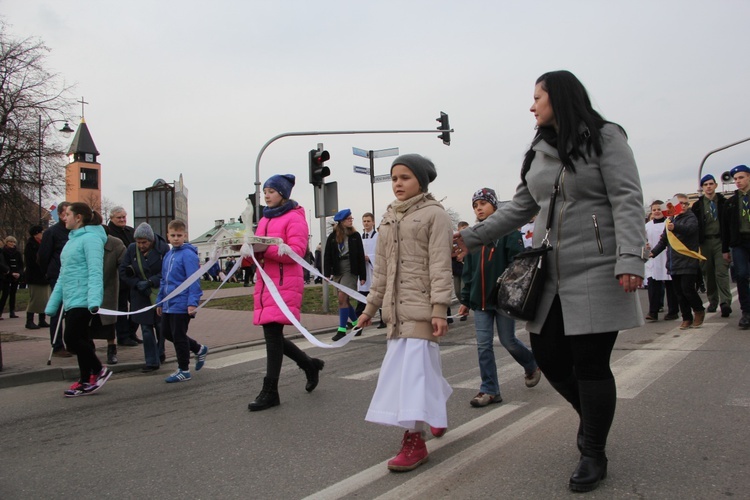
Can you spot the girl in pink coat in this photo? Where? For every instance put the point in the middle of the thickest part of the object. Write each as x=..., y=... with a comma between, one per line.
x=282, y=218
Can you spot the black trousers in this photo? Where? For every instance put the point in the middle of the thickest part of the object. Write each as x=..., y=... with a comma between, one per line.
x=583, y=357
x=684, y=287
x=78, y=340
x=174, y=327
x=277, y=347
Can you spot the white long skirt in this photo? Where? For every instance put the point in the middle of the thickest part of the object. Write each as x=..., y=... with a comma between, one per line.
x=411, y=387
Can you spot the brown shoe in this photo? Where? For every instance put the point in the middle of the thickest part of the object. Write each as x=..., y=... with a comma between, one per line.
x=685, y=325
x=698, y=317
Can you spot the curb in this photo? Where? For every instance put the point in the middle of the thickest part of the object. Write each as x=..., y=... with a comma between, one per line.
x=71, y=372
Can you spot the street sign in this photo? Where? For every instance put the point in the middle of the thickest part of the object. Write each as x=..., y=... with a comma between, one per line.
x=382, y=153
x=360, y=152
x=381, y=178
x=361, y=170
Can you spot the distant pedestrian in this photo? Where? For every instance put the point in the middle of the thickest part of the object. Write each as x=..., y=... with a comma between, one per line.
x=50, y=249
x=14, y=261
x=282, y=218
x=36, y=280
x=344, y=263
x=79, y=291
x=412, y=283
x=178, y=265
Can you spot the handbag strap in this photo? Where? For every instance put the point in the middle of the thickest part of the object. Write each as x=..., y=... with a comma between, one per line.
x=551, y=211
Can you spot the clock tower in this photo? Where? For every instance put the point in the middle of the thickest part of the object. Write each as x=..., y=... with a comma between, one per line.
x=83, y=174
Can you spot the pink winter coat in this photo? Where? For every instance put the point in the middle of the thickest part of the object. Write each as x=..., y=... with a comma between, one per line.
x=285, y=273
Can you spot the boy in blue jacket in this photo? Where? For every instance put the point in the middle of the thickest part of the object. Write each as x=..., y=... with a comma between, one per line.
x=481, y=270
x=178, y=265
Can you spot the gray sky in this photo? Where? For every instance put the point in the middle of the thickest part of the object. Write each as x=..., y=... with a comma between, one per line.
x=197, y=87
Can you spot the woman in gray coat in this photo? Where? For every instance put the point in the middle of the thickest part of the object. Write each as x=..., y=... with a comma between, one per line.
x=597, y=258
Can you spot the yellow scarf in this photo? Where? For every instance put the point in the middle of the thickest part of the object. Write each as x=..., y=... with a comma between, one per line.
x=680, y=247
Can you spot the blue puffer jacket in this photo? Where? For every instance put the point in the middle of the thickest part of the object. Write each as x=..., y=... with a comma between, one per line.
x=179, y=263
x=81, y=280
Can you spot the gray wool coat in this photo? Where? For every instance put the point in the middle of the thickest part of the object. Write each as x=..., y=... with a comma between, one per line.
x=585, y=261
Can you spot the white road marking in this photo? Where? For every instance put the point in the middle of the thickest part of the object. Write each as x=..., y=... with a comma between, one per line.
x=380, y=470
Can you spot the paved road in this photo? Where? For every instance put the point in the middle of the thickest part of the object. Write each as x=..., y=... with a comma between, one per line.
x=681, y=430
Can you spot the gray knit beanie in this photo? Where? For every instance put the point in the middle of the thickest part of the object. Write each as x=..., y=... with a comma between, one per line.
x=144, y=231
x=423, y=169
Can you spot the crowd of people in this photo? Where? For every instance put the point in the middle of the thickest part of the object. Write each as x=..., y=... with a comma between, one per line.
x=410, y=266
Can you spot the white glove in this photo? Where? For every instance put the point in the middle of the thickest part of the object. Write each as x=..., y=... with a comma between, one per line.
x=284, y=249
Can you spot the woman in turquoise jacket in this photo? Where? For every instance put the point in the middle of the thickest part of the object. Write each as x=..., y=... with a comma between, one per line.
x=79, y=291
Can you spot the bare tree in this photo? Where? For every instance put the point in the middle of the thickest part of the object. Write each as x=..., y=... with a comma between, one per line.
x=31, y=98
x=455, y=217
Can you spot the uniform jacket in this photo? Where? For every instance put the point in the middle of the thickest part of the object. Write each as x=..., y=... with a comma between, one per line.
x=483, y=267
x=178, y=265
x=686, y=230
x=34, y=273
x=53, y=241
x=81, y=279
x=730, y=224
x=412, y=281
x=585, y=261
x=698, y=209
x=356, y=257
x=113, y=252
x=283, y=271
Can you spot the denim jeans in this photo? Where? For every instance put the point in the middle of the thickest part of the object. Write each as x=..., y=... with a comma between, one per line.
x=741, y=263
x=153, y=344
x=506, y=332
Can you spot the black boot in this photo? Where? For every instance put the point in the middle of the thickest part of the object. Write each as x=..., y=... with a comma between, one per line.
x=268, y=397
x=111, y=354
x=43, y=322
x=598, y=401
x=569, y=390
x=312, y=372
x=30, y=322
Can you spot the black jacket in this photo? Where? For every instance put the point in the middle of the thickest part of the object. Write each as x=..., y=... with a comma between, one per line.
x=34, y=273
x=356, y=256
x=698, y=209
x=686, y=230
x=130, y=275
x=125, y=233
x=48, y=257
x=730, y=223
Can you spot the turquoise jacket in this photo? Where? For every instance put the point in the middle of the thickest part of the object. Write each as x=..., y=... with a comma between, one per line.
x=81, y=280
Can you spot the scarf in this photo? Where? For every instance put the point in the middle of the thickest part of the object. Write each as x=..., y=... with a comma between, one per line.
x=271, y=212
x=401, y=207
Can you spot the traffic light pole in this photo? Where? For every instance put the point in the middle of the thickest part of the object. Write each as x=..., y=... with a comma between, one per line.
x=324, y=132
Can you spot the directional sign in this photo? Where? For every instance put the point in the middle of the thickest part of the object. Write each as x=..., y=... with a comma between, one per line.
x=382, y=153
x=361, y=170
x=360, y=152
x=381, y=178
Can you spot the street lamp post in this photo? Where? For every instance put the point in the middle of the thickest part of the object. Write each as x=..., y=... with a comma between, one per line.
x=66, y=131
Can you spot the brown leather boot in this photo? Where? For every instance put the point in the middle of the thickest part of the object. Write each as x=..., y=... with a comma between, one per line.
x=698, y=317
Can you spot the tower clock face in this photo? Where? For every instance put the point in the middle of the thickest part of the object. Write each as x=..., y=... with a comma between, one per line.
x=89, y=158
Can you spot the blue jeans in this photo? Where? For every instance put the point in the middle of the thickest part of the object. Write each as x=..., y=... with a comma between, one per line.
x=506, y=332
x=741, y=263
x=153, y=344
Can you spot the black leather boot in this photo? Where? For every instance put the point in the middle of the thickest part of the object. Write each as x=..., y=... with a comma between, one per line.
x=43, y=322
x=312, y=372
x=268, y=397
x=569, y=390
x=30, y=322
x=598, y=400
x=111, y=354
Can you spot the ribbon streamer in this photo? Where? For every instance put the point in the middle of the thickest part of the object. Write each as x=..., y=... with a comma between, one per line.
x=680, y=247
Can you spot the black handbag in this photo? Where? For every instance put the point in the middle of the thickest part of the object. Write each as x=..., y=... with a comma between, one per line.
x=518, y=289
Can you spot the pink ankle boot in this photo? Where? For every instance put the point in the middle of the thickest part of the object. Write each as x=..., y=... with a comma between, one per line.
x=413, y=453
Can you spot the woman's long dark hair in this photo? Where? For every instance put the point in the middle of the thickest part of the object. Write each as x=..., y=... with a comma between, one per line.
x=88, y=217
x=578, y=124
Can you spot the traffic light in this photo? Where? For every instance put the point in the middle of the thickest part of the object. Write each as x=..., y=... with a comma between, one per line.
x=444, y=126
x=318, y=170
